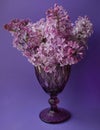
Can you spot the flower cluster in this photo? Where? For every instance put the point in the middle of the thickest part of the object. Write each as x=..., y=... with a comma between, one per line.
x=82, y=29
x=52, y=41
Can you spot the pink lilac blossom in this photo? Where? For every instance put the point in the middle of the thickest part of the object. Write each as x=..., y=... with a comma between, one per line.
x=52, y=41
x=60, y=17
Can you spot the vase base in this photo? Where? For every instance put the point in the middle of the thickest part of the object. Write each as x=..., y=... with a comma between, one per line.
x=54, y=117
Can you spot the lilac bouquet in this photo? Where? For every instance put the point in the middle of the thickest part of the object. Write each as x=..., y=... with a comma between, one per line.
x=52, y=41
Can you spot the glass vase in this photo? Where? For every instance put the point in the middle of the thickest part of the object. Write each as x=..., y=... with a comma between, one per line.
x=53, y=84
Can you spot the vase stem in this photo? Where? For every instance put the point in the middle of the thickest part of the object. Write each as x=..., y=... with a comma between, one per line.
x=53, y=101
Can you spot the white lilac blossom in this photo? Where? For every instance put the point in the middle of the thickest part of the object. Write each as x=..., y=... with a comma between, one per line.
x=52, y=41
x=82, y=29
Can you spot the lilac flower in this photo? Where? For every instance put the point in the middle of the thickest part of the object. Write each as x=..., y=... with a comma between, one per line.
x=51, y=42
x=59, y=16
x=82, y=29
x=16, y=25
x=75, y=52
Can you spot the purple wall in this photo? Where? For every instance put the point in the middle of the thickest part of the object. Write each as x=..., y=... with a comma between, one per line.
x=21, y=97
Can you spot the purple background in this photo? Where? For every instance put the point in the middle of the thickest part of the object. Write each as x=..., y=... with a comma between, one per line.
x=22, y=98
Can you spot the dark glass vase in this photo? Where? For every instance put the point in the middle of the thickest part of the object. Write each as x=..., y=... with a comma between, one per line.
x=53, y=84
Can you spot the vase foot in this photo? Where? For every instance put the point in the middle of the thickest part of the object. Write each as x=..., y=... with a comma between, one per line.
x=54, y=117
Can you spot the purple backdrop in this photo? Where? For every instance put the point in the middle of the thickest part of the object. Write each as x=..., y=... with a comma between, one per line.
x=22, y=98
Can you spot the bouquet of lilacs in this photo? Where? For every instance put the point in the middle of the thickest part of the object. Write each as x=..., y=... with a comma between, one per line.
x=52, y=41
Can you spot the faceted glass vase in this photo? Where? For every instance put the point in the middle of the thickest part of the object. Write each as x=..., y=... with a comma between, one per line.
x=53, y=84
